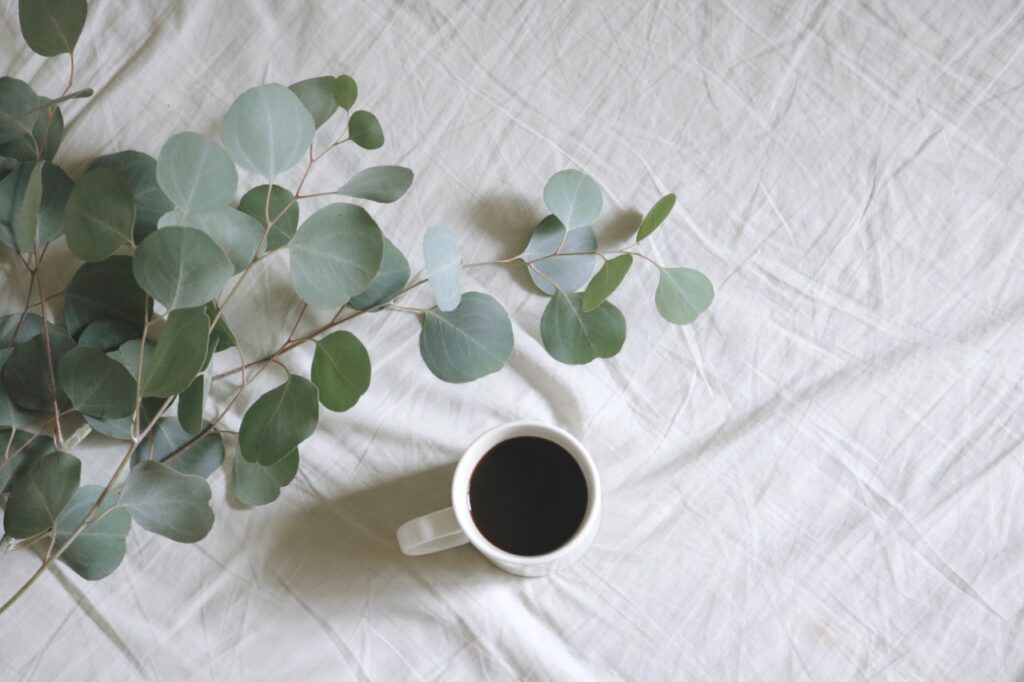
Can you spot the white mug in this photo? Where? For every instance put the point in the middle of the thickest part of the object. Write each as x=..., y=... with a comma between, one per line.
x=454, y=525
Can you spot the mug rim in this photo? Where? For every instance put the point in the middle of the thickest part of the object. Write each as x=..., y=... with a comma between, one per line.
x=481, y=446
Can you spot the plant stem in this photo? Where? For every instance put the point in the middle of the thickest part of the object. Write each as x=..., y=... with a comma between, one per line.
x=38, y=275
x=138, y=370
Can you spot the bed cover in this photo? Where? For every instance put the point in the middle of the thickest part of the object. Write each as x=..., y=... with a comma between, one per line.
x=821, y=479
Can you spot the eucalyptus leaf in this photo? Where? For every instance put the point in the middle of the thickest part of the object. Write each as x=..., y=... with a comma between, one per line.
x=238, y=234
x=282, y=209
x=104, y=291
x=467, y=343
x=181, y=267
x=56, y=187
x=279, y=421
x=27, y=374
x=11, y=416
x=390, y=279
x=18, y=104
x=335, y=255
x=121, y=429
x=364, y=129
x=95, y=384
x=179, y=355
x=28, y=216
x=574, y=197
x=25, y=449
x=340, y=371
x=576, y=337
x=267, y=130
x=221, y=335
x=317, y=95
x=444, y=266
x=41, y=493
x=128, y=355
x=168, y=502
x=195, y=173
x=256, y=484
x=46, y=136
x=192, y=455
x=107, y=335
x=139, y=170
x=656, y=216
x=345, y=92
x=20, y=327
x=100, y=547
x=99, y=215
x=606, y=281
x=193, y=399
x=567, y=272
x=383, y=184
x=683, y=294
x=52, y=27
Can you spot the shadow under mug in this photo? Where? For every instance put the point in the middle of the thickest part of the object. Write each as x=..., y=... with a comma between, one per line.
x=454, y=526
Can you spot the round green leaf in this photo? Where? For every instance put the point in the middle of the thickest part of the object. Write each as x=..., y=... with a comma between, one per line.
x=95, y=384
x=444, y=266
x=52, y=27
x=128, y=355
x=683, y=294
x=221, y=335
x=656, y=216
x=56, y=187
x=26, y=373
x=26, y=449
x=99, y=215
x=27, y=223
x=317, y=95
x=201, y=458
x=467, y=343
x=11, y=416
x=41, y=493
x=121, y=429
x=341, y=370
x=267, y=130
x=335, y=255
x=282, y=209
x=179, y=355
x=139, y=171
x=238, y=234
x=181, y=267
x=364, y=129
x=607, y=280
x=47, y=134
x=278, y=421
x=383, y=184
x=18, y=108
x=575, y=337
x=390, y=279
x=574, y=197
x=567, y=272
x=345, y=92
x=104, y=291
x=195, y=173
x=168, y=502
x=100, y=547
x=20, y=327
x=256, y=484
x=107, y=335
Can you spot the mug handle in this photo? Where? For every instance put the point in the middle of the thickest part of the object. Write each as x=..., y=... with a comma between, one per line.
x=431, y=533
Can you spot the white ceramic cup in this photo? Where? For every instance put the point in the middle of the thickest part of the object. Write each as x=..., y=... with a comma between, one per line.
x=454, y=525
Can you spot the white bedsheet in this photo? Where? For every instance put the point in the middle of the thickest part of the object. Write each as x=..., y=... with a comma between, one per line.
x=819, y=480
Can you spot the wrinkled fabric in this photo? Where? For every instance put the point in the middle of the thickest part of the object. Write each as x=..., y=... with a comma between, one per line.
x=820, y=479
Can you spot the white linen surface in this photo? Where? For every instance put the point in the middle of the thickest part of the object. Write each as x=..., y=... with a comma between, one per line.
x=821, y=479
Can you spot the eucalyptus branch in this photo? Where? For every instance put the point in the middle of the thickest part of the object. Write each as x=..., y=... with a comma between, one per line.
x=51, y=372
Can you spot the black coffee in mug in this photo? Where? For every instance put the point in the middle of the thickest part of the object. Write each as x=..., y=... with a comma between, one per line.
x=527, y=496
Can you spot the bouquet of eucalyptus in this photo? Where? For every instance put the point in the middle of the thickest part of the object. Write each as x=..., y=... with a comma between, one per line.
x=165, y=247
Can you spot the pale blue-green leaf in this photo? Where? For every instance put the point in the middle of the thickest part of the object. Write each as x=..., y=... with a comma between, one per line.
x=317, y=95
x=168, y=502
x=467, y=343
x=95, y=384
x=267, y=130
x=279, y=421
x=52, y=27
x=574, y=197
x=128, y=355
x=38, y=496
x=390, y=279
x=340, y=371
x=179, y=355
x=189, y=454
x=100, y=547
x=181, y=267
x=383, y=184
x=195, y=173
x=256, y=484
x=575, y=337
x=139, y=170
x=121, y=429
x=444, y=266
x=565, y=272
x=238, y=234
x=683, y=294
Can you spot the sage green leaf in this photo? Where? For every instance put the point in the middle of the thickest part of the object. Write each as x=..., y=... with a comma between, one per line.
x=364, y=129
x=566, y=272
x=18, y=103
x=383, y=184
x=221, y=334
x=390, y=279
x=340, y=371
x=256, y=484
x=11, y=416
x=192, y=401
x=128, y=355
x=56, y=187
x=99, y=215
x=139, y=171
x=168, y=502
x=95, y=384
x=574, y=197
x=179, y=355
x=100, y=547
x=38, y=497
x=444, y=266
x=52, y=27
x=683, y=294
x=181, y=267
x=107, y=335
x=26, y=449
x=20, y=327
x=27, y=374
x=192, y=455
x=282, y=209
x=28, y=217
x=7, y=163
x=607, y=280
x=467, y=343
x=576, y=337
x=279, y=421
x=121, y=429
x=267, y=130
x=46, y=136
x=656, y=216
x=335, y=255
x=104, y=291
x=195, y=173
x=345, y=92
x=317, y=95
x=238, y=234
